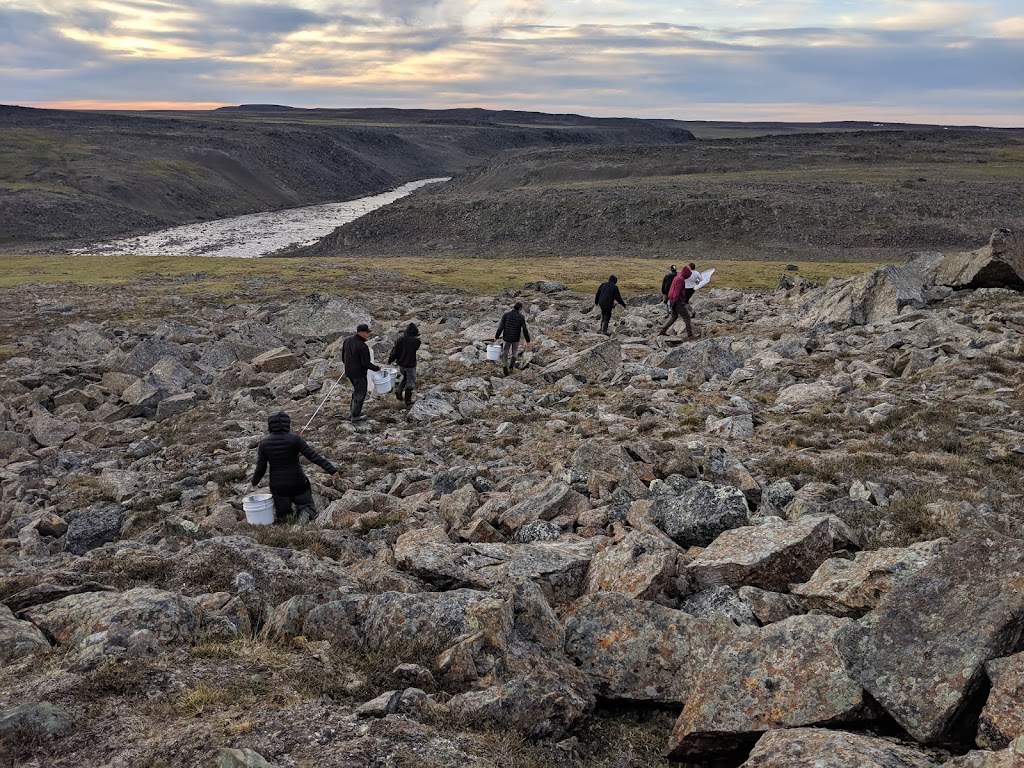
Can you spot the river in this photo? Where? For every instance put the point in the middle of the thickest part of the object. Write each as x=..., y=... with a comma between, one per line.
x=255, y=234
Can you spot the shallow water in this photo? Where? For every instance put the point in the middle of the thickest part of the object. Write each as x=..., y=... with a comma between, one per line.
x=255, y=234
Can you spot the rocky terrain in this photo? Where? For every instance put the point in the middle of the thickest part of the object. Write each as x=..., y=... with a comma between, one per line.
x=794, y=541
x=870, y=195
x=73, y=176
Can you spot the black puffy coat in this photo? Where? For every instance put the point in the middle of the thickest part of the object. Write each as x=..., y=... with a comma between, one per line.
x=512, y=327
x=280, y=449
x=608, y=293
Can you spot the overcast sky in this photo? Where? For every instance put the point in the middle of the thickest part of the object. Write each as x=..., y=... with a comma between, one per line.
x=882, y=60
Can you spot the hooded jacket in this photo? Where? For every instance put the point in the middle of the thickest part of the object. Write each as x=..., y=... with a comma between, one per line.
x=608, y=294
x=678, y=290
x=404, y=352
x=280, y=449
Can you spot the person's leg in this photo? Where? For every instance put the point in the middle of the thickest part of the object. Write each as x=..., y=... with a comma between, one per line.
x=358, y=396
x=671, y=321
x=282, y=507
x=513, y=353
x=606, y=316
x=400, y=384
x=305, y=506
x=684, y=312
x=409, y=380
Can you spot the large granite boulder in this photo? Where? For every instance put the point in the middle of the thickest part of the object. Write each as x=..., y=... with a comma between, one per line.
x=921, y=652
x=701, y=360
x=322, y=316
x=771, y=555
x=598, y=363
x=851, y=588
x=166, y=618
x=871, y=298
x=695, y=513
x=634, y=650
x=1000, y=264
x=1011, y=757
x=640, y=564
x=821, y=748
x=786, y=675
x=1002, y=719
x=557, y=567
x=18, y=638
x=93, y=528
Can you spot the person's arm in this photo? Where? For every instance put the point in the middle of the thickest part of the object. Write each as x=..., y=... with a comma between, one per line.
x=501, y=327
x=368, y=364
x=394, y=352
x=261, y=466
x=316, y=458
x=618, y=296
x=526, y=332
x=597, y=296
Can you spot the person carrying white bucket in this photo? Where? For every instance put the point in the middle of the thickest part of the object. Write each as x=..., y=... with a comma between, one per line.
x=511, y=328
x=356, y=357
x=404, y=354
x=288, y=483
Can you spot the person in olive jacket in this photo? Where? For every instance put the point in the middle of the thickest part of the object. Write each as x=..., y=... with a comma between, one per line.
x=404, y=353
x=288, y=483
x=356, y=357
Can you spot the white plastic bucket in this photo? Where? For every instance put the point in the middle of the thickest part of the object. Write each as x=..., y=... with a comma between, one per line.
x=494, y=352
x=382, y=380
x=259, y=508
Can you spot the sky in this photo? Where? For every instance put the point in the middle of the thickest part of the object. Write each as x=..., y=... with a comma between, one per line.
x=945, y=62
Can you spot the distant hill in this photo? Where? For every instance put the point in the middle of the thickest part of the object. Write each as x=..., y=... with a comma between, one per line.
x=71, y=175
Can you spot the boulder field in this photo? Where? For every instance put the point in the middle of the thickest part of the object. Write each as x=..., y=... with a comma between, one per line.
x=795, y=541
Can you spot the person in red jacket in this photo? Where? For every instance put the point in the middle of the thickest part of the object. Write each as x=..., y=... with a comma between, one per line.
x=677, y=299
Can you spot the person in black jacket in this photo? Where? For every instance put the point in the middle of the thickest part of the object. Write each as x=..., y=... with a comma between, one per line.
x=404, y=353
x=288, y=483
x=356, y=357
x=666, y=283
x=607, y=295
x=511, y=328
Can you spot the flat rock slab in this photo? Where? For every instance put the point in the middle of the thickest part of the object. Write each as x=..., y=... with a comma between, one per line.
x=786, y=675
x=921, y=652
x=851, y=588
x=169, y=617
x=820, y=748
x=771, y=555
x=557, y=567
x=638, y=651
x=598, y=363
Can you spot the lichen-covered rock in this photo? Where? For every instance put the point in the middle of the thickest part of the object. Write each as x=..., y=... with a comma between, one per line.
x=638, y=651
x=1002, y=719
x=93, y=528
x=18, y=638
x=42, y=719
x=853, y=587
x=698, y=513
x=818, y=748
x=598, y=363
x=640, y=564
x=169, y=618
x=1011, y=757
x=771, y=555
x=720, y=602
x=1000, y=264
x=920, y=652
x=557, y=567
x=785, y=675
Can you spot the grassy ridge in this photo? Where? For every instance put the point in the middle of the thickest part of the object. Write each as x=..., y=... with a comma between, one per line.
x=200, y=275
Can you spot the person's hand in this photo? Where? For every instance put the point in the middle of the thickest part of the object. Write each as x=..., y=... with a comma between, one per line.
x=336, y=476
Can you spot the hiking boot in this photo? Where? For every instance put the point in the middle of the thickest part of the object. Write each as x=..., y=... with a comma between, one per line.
x=360, y=417
x=504, y=370
x=408, y=398
x=398, y=395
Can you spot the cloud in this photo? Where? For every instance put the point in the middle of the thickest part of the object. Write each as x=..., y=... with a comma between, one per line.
x=918, y=57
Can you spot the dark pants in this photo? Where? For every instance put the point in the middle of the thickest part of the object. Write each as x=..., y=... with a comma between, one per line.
x=688, y=294
x=283, y=504
x=509, y=348
x=679, y=309
x=358, y=396
x=606, y=316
